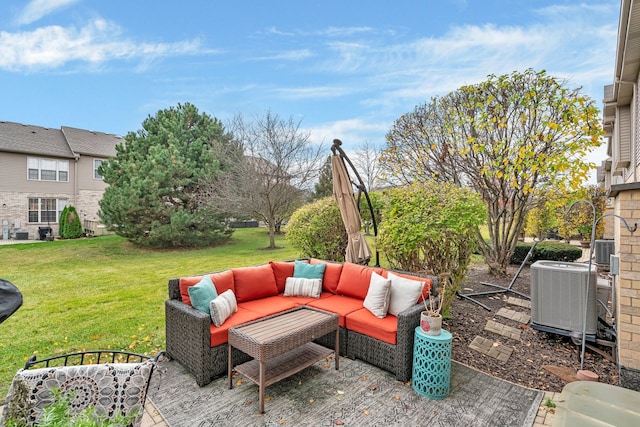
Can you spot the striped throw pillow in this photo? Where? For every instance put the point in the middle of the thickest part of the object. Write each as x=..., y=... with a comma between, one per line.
x=302, y=287
x=222, y=307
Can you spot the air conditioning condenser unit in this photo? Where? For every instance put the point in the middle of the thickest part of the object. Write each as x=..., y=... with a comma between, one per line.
x=558, y=304
x=603, y=250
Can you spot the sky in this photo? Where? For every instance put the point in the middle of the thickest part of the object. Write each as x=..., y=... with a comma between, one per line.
x=344, y=69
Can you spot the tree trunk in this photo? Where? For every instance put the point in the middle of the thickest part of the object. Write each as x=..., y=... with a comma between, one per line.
x=272, y=237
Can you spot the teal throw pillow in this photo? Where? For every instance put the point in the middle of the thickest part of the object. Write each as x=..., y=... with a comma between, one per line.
x=308, y=271
x=202, y=294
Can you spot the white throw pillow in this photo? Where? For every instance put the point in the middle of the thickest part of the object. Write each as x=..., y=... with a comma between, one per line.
x=302, y=287
x=404, y=293
x=222, y=307
x=377, y=299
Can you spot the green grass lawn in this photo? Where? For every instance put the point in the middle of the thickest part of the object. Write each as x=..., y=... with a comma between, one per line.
x=104, y=293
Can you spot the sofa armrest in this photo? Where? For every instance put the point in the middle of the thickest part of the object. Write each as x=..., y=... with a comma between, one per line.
x=407, y=322
x=188, y=337
x=174, y=289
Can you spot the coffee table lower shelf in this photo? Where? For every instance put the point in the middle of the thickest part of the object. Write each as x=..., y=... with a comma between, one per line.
x=285, y=365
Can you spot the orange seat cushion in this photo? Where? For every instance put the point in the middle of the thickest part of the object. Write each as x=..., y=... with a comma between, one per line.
x=254, y=282
x=331, y=275
x=222, y=282
x=282, y=270
x=338, y=304
x=269, y=305
x=305, y=300
x=364, y=322
x=220, y=335
x=354, y=280
x=426, y=290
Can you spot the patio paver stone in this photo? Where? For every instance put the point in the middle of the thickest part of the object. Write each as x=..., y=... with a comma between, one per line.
x=519, y=302
x=491, y=348
x=504, y=330
x=514, y=315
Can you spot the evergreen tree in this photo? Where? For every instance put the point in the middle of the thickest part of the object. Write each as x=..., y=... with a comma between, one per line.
x=73, y=226
x=154, y=196
x=62, y=222
x=324, y=186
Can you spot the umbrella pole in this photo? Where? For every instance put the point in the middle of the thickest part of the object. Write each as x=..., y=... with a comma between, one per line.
x=336, y=149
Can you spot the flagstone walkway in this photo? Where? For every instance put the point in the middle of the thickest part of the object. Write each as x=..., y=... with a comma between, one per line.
x=498, y=349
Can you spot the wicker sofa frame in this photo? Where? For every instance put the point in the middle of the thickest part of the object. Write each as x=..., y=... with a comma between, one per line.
x=188, y=340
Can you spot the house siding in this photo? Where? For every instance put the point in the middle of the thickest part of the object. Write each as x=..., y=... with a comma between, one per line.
x=85, y=169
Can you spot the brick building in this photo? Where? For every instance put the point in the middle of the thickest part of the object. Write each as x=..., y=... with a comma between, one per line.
x=620, y=174
x=42, y=170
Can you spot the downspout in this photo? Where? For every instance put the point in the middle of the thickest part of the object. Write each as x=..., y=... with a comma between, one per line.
x=75, y=181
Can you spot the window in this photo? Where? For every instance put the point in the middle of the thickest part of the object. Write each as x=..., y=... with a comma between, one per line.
x=45, y=210
x=47, y=169
x=96, y=165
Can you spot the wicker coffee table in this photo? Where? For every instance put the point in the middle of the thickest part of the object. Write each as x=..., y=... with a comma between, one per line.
x=281, y=345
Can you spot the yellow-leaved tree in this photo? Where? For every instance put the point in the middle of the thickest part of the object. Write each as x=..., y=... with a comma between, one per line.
x=504, y=138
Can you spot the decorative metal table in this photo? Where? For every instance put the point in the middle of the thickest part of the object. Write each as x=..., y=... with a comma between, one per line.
x=431, y=373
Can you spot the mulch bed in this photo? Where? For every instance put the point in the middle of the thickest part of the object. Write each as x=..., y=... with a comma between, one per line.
x=536, y=348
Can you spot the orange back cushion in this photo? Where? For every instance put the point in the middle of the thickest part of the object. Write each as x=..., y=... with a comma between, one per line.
x=282, y=270
x=331, y=275
x=254, y=282
x=354, y=280
x=222, y=282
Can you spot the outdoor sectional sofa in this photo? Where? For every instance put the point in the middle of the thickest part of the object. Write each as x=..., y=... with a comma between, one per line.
x=260, y=291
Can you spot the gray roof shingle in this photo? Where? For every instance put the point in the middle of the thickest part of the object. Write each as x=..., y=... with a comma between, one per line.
x=65, y=142
x=91, y=143
x=19, y=138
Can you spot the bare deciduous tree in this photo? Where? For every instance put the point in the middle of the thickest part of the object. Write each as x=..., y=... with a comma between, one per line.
x=366, y=160
x=274, y=175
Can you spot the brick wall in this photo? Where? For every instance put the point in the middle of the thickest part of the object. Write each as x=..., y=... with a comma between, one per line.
x=628, y=289
x=14, y=208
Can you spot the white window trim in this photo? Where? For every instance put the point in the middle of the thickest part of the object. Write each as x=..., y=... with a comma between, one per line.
x=95, y=170
x=61, y=166
x=60, y=204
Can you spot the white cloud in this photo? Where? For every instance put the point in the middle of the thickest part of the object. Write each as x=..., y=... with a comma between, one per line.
x=96, y=42
x=36, y=9
x=313, y=92
x=345, y=31
x=352, y=132
x=291, y=55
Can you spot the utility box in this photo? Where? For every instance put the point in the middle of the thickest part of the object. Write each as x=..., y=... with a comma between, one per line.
x=22, y=235
x=558, y=291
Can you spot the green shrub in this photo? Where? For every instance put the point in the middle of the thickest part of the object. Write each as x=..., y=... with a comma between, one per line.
x=317, y=230
x=60, y=414
x=431, y=227
x=552, y=251
x=70, y=225
x=62, y=222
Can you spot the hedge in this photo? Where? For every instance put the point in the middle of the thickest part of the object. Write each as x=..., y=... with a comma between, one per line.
x=552, y=251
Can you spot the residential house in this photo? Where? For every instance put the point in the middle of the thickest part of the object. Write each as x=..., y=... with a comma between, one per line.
x=42, y=170
x=620, y=175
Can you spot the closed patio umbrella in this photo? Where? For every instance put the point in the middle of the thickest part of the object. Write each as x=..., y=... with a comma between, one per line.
x=357, y=248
